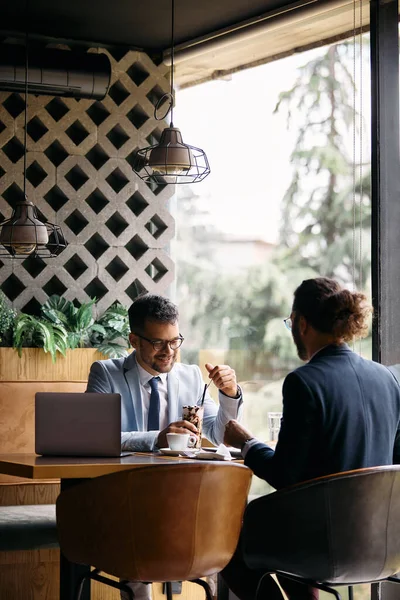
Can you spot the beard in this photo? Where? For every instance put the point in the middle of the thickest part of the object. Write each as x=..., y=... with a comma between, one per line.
x=162, y=363
x=301, y=349
x=155, y=363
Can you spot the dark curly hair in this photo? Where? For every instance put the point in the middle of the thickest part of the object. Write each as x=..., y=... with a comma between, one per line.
x=331, y=309
x=151, y=307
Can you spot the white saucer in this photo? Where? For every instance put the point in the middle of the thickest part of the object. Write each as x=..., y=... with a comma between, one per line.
x=170, y=452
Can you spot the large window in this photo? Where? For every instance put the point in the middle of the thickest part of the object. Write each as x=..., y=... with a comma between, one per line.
x=288, y=198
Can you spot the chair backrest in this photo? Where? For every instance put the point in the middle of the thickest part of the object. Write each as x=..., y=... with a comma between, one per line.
x=157, y=523
x=343, y=529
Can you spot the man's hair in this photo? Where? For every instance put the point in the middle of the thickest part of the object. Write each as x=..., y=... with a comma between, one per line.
x=150, y=307
x=331, y=309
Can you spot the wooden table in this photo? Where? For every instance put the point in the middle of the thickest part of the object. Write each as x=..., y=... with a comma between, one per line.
x=32, y=466
x=70, y=471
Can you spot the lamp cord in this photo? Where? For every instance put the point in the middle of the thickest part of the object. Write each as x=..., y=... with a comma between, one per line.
x=26, y=109
x=172, y=59
x=170, y=95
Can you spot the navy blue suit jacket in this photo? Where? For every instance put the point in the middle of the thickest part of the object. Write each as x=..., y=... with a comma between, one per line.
x=340, y=412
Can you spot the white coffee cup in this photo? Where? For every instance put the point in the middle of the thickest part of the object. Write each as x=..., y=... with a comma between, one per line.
x=180, y=441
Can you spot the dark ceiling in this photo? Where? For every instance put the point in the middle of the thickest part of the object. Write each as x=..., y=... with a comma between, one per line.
x=141, y=24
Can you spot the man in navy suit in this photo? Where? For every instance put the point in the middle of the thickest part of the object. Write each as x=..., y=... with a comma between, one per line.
x=340, y=411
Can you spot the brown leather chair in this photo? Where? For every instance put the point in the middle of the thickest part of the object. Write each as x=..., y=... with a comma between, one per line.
x=342, y=529
x=162, y=523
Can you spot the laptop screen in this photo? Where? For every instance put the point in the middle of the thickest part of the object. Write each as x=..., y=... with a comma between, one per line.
x=77, y=424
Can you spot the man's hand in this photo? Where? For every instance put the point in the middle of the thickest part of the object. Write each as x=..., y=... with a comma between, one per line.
x=236, y=435
x=177, y=427
x=224, y=379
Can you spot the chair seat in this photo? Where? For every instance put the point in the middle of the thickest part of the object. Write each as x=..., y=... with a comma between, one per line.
x=341, y=529
x=29, y=527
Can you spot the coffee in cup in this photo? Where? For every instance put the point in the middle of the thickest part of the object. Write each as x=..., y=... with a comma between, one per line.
x=194, y=414
x=180, y=441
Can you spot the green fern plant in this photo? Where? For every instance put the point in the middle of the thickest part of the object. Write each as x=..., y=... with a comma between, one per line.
x=78, y=322
x=62, y=325
x=111, y=334
x=33, y=332
x=108, y=334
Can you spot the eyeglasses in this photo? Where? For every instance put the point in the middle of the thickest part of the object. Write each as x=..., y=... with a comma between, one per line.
x=288, y=323
x=160, y=344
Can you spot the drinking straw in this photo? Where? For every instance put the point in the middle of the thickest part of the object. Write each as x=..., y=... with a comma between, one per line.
x=204, y=392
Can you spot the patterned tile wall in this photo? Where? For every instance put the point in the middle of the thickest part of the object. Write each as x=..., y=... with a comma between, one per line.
x=80, y=176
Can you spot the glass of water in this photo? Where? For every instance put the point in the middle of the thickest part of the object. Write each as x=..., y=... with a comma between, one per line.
x=274, y=425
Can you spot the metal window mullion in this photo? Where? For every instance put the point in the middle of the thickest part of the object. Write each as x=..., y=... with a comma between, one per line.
x=385, y=180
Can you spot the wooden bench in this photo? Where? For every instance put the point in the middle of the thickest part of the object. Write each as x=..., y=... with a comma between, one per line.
x=28, y=527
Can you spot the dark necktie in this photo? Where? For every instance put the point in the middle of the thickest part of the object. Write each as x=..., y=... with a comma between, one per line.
x=153, y=421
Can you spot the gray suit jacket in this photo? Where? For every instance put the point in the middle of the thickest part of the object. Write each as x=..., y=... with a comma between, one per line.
x=185, y=387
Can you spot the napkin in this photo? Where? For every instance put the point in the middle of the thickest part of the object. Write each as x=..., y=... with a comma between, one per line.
x=221, y=453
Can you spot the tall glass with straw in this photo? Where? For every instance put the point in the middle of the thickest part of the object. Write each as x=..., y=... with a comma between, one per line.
x=194, y=414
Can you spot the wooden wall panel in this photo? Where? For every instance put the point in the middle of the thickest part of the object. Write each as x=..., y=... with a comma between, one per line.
x=35, y=576
x=29, y=575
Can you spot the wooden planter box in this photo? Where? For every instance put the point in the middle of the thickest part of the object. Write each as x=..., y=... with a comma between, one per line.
x=36, y=365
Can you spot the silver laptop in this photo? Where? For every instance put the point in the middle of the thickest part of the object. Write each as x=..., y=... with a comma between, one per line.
x=78, y=424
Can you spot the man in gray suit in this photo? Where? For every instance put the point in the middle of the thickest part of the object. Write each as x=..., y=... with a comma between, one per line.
x=154, y=387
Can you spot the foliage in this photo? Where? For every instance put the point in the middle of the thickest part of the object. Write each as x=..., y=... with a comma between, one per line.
x=62, y=325
x=318, y=212
x=33, y=332
x=242, y=309
x=7, y=319
x=78, y=322
x=112, y=326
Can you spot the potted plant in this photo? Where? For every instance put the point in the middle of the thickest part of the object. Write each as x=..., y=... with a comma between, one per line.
x=63, y=326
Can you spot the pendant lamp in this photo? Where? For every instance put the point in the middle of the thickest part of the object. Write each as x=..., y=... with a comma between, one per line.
x=24, y=234
x=171, y=160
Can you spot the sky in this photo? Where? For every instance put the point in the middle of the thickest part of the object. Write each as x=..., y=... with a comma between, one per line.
x=248, y=147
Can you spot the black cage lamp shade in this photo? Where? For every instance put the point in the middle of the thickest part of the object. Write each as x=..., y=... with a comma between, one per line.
x=25, y=235
x=171, y=160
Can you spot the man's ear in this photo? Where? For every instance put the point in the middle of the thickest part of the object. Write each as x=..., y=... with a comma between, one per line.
x=303, y=325
x=133, y=340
